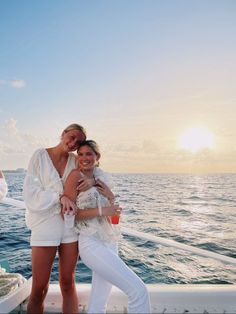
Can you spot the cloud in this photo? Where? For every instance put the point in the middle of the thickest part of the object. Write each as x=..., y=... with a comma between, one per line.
x=13, y=83
x=14, y=141
x=17, y=83
x=145, y=149
x=10, y=126
x=17, y=146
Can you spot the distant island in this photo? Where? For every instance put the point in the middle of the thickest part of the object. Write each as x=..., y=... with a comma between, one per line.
x=21, y=170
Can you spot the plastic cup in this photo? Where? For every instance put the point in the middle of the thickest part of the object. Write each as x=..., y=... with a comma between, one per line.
x=69, y=219
x=115, y=219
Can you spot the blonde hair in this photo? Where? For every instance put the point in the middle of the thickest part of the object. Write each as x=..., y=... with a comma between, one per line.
x=75, y=126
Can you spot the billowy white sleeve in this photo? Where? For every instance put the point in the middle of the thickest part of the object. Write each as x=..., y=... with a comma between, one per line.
x=3, y=188
x=104, y=176
x=38, y=192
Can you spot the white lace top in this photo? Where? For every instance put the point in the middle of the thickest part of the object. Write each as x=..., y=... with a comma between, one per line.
x=100, y=227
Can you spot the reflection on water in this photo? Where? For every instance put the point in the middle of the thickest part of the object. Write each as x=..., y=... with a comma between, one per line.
x=195, y=210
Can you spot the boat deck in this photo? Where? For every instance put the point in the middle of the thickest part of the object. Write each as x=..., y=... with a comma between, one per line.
x=164, y=299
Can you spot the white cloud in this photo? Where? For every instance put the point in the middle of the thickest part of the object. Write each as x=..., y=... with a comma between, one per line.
x=10, y=126
x=17, y=83
x=16, y=147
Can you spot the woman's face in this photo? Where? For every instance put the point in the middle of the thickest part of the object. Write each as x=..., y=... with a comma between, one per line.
x=71, y=139
x=87, y=158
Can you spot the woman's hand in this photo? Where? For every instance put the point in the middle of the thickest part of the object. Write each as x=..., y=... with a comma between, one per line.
x=104, y=190
x=84, y=184
x=111, y=210
x=67, y=205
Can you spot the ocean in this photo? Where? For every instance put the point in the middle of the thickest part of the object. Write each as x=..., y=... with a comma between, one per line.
x=198, y=210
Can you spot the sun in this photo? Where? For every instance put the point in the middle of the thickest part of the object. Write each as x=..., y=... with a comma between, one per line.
x=196, y=139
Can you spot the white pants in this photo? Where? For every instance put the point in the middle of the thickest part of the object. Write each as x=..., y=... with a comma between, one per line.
x=108, y=269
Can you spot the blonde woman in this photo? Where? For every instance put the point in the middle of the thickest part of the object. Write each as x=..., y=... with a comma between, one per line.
x=43, y=196
x=98, y=237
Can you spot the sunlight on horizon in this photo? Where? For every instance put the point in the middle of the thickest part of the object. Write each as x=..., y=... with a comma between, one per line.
x=196, y=139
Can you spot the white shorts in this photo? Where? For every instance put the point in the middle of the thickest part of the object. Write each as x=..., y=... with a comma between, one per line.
x=52, y=232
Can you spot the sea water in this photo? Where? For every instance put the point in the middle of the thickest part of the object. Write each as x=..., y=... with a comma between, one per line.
x=198, y=210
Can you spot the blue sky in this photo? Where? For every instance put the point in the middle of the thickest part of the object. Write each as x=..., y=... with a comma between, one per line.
x=137, y=74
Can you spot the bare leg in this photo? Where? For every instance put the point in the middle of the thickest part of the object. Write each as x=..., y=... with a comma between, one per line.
x=68, y=255
x=42, y=260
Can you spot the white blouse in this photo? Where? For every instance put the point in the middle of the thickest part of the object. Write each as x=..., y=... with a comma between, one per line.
x=42, y=187
x=100, y=227
x=3, y=188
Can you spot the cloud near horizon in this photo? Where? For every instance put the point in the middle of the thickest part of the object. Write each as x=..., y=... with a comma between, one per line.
x=14, y=141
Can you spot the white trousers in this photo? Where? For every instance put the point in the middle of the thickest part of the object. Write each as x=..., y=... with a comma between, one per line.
x=108, y=269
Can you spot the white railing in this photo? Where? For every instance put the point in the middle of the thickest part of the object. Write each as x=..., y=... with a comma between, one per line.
x=13, y=202
x=181, y=246
x=149, y=237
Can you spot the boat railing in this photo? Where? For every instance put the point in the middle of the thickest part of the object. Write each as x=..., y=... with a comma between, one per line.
x=149, y=237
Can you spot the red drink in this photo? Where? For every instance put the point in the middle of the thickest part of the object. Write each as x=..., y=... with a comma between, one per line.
x=115, y=219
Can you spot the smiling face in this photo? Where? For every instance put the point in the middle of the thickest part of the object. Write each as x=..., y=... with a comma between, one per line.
x=87, y=158
x=71, y=139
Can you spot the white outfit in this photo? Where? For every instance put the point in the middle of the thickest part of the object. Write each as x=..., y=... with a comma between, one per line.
x=41, y=190
x=100, y=226
x=98, y=250
x=3, y=188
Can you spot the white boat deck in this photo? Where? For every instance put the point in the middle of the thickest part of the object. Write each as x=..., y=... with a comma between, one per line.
x=165, y=299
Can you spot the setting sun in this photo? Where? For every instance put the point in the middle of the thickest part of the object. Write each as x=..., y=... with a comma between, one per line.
x=196, y=139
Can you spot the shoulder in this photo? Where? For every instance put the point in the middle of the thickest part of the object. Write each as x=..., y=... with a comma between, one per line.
x=72, y=180
x=104, y=176
x=39, y=153
x=37, y=156
x=99, y=172
x=74, y=175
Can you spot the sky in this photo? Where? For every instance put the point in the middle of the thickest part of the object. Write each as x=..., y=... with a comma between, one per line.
x=139, y=75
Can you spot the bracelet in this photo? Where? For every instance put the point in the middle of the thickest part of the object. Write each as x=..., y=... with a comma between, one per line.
x=99, y=208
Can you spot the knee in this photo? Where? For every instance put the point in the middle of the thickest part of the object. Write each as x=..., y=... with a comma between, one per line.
x=38, y=294
x=67, y=284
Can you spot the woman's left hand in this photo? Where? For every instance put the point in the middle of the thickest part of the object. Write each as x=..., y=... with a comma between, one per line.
x=84, y=184
x=104, y=190
x=67, y=205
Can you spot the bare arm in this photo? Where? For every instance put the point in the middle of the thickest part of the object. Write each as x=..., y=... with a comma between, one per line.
x=70, y=190
x=71, y=185
x=90, y=213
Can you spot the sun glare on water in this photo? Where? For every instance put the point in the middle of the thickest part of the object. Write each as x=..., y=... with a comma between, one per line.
x=196, y=139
